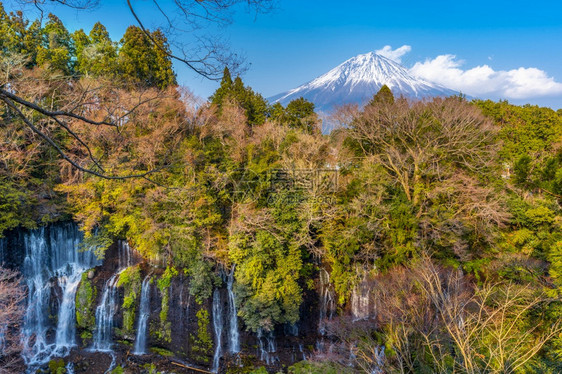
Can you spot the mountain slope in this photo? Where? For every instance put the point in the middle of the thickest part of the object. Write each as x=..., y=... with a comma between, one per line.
x=357, y=80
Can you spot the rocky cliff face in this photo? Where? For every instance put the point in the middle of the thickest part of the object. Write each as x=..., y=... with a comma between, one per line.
x=101, y=314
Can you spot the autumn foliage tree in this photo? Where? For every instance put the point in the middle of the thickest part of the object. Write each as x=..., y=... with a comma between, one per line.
x=12, y=295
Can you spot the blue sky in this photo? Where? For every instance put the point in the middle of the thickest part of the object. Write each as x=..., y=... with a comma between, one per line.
x=491, y=49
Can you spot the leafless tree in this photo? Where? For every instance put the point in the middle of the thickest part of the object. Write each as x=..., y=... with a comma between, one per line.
x=49, y=104
x=12, y=295
x=413, y=139
x=436, y=318
x=180, y=20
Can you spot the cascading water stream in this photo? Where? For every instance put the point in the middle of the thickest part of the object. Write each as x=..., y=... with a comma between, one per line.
x=125, y=254
x=360, y=305
x=144, y=314
x=66, y=327
x=234, y=335
x=218, y=326
x=107, y=308
x=104, y=316
x=52, y=256
x=327, y=301
x=327, y=307
x=267, y=348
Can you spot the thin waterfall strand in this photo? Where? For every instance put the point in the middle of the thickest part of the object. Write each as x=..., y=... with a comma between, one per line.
x=218, y=326
x=234, y=341
x=144, y=314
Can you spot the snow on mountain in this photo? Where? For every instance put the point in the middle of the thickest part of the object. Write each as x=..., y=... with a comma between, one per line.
x=357, y=80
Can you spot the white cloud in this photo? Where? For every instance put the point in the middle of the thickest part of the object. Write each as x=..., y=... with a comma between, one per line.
x=394, y=55
x=483, y=81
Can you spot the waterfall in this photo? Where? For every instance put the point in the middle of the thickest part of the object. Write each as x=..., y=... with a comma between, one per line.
x=327, y=301
x=360, y=302
x=104, y=315
x=66, y=327
x=234, y=341
x=218, y=325
x=184, y=304
x=144, y=314
x=326, y=309
x=379, y=360
x=52, y=256
x=69, y=368
x=267, y=348
x=107, y=308
x=125, y=254
x=301, y=350
x=3, y=247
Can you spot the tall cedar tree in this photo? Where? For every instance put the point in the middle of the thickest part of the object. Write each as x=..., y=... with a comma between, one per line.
x=141, y=61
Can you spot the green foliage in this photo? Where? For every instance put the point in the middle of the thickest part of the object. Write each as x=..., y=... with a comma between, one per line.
x=141, y=58
x=15, y=207
x=521, y=169
x=57, y=366
x=252, y=103
x=202, y=342
x=384, y=96
x=162, y=352
x=56, y=49
x=260, y=370
x=270, y=265
x=524, y=129
x=165, y=330
x=305, y=367
x=96, y=53
x=145, y=58
x=130, y=280
x=85, y=306
x=299, y=114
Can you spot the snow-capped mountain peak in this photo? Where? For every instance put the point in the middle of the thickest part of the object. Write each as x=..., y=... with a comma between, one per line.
x=358, y=79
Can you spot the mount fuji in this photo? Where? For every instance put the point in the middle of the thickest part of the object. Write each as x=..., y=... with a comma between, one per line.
x=357, y=80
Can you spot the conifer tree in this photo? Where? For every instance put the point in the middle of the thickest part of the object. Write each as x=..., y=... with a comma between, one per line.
x=96, y=54
x=57, y=47
x=226, y=83
x=384, y=96
x=253, y=104
x=141, y=61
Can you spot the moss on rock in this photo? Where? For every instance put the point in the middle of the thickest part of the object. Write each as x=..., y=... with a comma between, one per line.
x=202, y=342
x=130, y=280
x=85, y=306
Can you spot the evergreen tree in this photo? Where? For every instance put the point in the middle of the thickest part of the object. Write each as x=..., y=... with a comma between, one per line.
x=164, y=73
x=253, y=104
x=57, y=47
x=384, y=96
x=96, y=54
x=226, y=83
x=17, y=36
x=300, y=114
x=141, y=61
x=99, y=34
